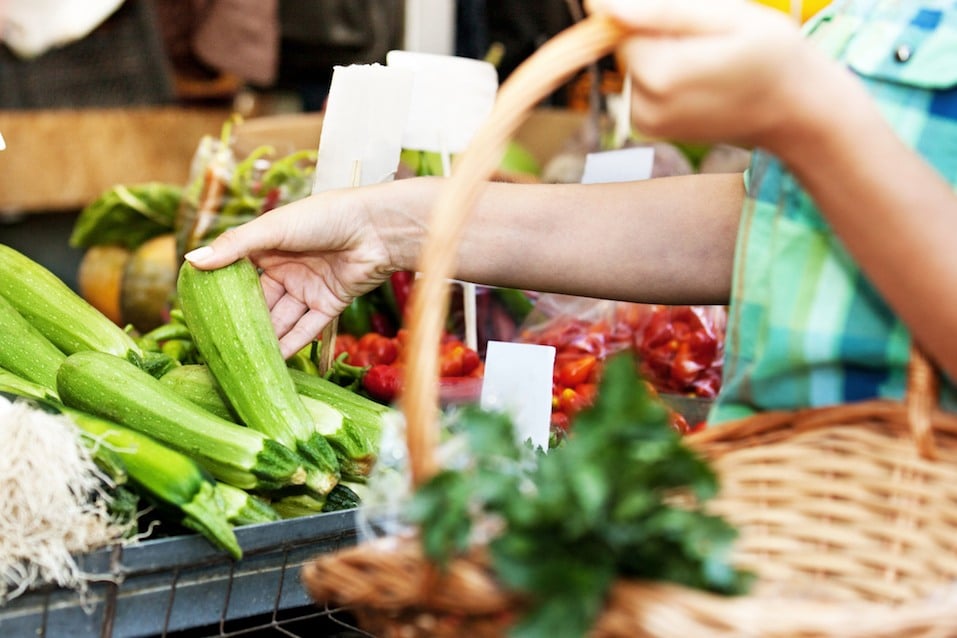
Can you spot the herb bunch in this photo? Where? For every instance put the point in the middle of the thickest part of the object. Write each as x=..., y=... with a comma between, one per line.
x=594, y=509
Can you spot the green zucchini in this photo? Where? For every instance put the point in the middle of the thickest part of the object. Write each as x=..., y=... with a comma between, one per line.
x=227, y=315
x=349, y=436
x=195, y=382
x=168, y=477
x=56, y=311
x=115, y=389
x=364, y=413
x=243, y=508
x=17, y=385
x=61, y=315
x=295, y=502
x=24, y=351
x=171, y=478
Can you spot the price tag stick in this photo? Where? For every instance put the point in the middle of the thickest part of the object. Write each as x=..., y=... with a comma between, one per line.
x=360, y=142
x=328, y=351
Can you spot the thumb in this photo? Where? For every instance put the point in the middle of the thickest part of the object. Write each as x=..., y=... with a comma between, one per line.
x=674, y=17
x=232, y=245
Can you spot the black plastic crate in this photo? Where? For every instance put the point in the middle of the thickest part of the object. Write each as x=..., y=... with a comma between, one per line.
x=181, y=585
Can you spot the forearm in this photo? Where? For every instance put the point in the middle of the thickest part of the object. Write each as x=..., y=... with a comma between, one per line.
x=894, y=212
x=667, y=240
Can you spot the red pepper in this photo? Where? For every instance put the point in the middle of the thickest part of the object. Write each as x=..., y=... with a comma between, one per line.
x=345, y=343
x=373, y=348
x=383, y=382
x=271, y=200
x=456, y=359
x=575, y=369
x=571, y=402
x=381, y=323
x=402, y=282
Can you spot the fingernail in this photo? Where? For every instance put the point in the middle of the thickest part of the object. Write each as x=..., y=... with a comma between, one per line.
x=199, y=254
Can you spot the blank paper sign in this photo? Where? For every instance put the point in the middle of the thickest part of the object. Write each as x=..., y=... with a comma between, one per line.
x=518, y=381
x=622, y=165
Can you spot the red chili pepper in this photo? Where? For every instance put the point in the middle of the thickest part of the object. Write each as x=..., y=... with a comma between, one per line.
x=271, y=200
x=587, y=391
x=571, y=402
x=383, y=382
x=575, y=369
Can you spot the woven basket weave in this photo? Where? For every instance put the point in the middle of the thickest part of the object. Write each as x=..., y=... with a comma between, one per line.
x=847, y=514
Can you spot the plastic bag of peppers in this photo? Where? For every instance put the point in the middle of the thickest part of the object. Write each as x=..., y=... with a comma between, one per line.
x=680, y=349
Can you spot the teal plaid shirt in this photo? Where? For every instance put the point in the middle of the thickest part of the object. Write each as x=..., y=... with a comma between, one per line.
x=806, y=327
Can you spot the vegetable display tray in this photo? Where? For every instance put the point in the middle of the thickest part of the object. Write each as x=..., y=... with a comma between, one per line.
x=178, y=584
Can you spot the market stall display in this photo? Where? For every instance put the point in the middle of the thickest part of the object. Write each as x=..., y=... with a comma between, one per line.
x=177, y=391
x=192, y=539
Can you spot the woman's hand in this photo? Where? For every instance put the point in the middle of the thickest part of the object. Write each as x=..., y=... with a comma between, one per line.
x=717, y=70
x=315, y=255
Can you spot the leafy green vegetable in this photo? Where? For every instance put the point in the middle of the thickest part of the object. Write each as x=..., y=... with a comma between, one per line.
x=127, y=215
x=594, y=509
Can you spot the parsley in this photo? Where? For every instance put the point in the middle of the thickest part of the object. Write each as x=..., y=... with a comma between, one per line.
x=592, y=510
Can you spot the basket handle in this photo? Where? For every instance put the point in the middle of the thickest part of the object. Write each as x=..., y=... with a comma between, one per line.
x=921, y=400
x=542, y=73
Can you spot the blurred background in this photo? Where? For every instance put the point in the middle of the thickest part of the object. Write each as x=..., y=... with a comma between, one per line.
x=105, y=92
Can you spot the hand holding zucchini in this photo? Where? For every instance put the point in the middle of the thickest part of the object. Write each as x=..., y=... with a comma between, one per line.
x=228, y=318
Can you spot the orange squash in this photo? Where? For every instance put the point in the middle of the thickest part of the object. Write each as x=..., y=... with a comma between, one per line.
x=100, y=277
x=131, y=287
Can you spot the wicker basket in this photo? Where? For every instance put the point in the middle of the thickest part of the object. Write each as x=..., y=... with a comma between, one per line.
x=846, y=514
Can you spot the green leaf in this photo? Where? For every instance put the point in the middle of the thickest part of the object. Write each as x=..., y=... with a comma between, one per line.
x=127, y=215
x=440, y=507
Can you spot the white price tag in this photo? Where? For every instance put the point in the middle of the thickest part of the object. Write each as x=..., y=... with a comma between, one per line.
x=622, y=165
x=518, y=381
x=367, y=107
x=451, y=97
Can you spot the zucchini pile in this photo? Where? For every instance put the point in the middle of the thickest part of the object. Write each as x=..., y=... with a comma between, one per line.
x=239, y=438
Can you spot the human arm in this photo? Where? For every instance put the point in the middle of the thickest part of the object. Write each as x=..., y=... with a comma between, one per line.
x=735, y=71
x=665, y=240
